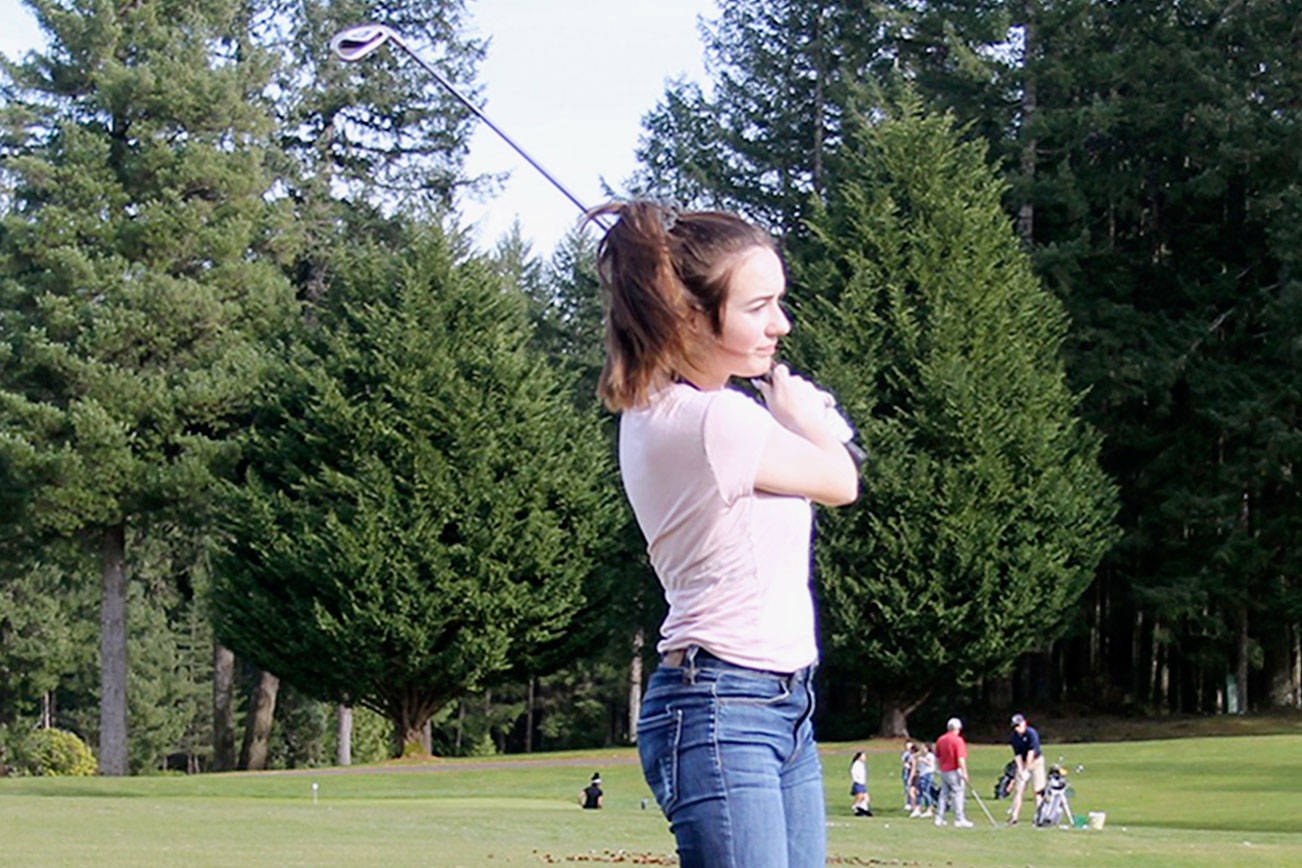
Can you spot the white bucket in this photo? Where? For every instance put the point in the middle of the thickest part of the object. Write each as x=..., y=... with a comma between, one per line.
x=1097, y=819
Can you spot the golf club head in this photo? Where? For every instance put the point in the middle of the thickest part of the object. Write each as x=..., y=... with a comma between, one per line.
x=362, y=40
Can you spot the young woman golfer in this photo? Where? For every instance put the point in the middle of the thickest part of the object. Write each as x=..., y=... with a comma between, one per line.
x=721, y=486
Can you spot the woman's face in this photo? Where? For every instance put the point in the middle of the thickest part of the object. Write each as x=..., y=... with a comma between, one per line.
x=752, y=318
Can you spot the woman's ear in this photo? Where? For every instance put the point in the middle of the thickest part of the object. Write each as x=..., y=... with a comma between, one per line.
x=698, y=325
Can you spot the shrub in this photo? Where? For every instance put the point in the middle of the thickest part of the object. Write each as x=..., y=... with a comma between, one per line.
x=54, y=752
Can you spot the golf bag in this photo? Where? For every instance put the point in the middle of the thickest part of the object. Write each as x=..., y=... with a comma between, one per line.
x=1055, y=803
x=1004, y=786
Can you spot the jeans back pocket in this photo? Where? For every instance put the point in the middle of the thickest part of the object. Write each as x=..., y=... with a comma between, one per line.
x=657, y=747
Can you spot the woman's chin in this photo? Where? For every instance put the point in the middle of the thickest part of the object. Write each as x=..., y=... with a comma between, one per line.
x=751, y=372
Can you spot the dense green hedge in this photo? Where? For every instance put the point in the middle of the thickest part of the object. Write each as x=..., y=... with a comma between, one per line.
x=53, y=752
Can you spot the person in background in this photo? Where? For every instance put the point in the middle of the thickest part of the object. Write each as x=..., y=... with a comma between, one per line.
x=859, y=786
x=592, y=797
x=925, y=767
x=1029, y=758
x=951, y=756
x=906, y=775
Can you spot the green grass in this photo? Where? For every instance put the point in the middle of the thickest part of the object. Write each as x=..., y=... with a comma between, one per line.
x=1193, y=801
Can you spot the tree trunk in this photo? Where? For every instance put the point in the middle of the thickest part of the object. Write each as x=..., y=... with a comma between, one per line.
x=1155, y=670
x=635, y=683
x=113, y=654
x=1242, y=660
x=1000, y=691
x=461, y=723
x=257, y=731
x=1137, y=685
x=1026, y=212
x=1096, y=629
x=412, y=730
x=47, y=709
x=895, y=716
x=528, y=716
x=895, y=723
x=1278, y=647
x=344, y=751
x=1297, y=665
x=223, y=708
x=820, y=73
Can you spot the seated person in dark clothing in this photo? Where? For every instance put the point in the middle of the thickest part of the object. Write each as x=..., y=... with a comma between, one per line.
x=591, y=797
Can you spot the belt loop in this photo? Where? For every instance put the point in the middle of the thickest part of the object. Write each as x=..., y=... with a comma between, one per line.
x=690, y=662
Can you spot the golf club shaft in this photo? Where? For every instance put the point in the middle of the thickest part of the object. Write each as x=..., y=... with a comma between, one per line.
x=984, y=809
x=447, y=85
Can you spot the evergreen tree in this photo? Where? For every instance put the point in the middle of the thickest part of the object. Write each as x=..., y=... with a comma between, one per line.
x=135, y=272
x=420, y=500
x=1151, y=154
x=985, y=510
x=47, y=634
x=624, y=603
x=759, y=142
x=1167, y=201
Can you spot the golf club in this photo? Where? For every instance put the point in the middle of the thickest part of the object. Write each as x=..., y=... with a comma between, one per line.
x=984, y=809
x=361, y=41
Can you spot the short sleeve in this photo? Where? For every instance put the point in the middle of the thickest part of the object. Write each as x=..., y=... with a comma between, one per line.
x=735, y=431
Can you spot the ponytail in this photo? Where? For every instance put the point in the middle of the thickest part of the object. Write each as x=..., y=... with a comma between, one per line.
x=657, y=269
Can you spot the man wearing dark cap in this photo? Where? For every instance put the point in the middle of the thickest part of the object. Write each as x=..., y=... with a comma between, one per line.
x=1030, y=764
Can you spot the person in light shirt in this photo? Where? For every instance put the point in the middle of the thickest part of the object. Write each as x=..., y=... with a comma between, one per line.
x=721, y=486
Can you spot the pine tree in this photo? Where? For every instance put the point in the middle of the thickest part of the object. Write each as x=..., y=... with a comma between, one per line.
x=136, y=271
x=759, y=142
x=1166, y=205
x=420, y=501
x=984, y=511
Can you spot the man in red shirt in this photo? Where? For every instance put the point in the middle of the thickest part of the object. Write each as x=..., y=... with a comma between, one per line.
x=951, y=756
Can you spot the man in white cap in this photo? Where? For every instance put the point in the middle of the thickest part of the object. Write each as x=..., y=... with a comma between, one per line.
x=592, y=797
x=951, y=756
x=1030, y=764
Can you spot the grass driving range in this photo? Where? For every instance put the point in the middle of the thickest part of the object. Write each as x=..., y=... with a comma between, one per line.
x=1188, y=801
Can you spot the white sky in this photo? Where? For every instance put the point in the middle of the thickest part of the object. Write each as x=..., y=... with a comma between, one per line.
x=569, y=80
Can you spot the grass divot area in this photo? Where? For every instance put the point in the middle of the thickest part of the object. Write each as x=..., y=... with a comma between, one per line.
x=1189, y=801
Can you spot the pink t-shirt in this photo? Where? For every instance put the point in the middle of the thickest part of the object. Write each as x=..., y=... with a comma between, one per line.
x=734, y=562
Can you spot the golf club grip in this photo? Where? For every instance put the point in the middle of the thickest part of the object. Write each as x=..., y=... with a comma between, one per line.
x=858, y=454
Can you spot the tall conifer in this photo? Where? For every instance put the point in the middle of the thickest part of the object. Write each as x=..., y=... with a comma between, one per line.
x=135, y=274
x=984, y=510
x=421, y=500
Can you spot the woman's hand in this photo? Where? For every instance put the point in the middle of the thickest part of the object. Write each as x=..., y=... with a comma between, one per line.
x=805, y=457
x=801, y=406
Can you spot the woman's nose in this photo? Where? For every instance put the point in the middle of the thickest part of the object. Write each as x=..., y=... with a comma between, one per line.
x=779, y=324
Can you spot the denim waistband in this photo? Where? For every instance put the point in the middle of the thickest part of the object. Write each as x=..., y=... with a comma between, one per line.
x=682, y=658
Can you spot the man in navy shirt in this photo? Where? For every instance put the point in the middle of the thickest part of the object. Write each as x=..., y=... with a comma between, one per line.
x=1030, y=764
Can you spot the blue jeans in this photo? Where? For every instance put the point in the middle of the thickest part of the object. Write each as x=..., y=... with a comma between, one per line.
x=729, y=753
x=924, y=791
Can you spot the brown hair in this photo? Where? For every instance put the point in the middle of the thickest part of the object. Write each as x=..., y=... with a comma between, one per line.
x=657, y=266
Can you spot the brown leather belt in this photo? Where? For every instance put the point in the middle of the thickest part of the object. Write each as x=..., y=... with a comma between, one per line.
x=677, y=657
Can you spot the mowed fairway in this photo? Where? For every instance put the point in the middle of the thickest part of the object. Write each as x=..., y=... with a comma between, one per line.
x=1198, y=801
